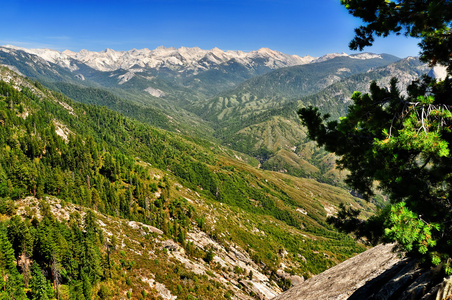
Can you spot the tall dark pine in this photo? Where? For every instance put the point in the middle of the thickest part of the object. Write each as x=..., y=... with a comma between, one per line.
x=38, y=284
x=13, y=286
x=403, y=143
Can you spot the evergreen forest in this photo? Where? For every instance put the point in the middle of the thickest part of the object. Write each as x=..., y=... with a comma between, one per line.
x=103, y=166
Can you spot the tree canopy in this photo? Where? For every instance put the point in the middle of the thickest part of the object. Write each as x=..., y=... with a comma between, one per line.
x=399, y=142
x=429, y=20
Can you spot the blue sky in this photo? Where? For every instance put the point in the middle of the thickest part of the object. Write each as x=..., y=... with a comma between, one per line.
x=302, y=27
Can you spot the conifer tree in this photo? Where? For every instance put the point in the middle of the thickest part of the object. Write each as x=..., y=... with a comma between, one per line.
x=13, y=282
x=38, y=283
x=428, y=20
x=403, y=143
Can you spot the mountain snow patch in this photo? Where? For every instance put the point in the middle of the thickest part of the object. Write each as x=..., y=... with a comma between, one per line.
x=126, y=77
x=80, y=76
x=364, y=56
x=155, y=92
x=129, y=75
x=343, y=70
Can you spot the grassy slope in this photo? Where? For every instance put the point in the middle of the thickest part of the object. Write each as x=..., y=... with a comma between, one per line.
x=268, y=124
x=258, y=117
x=289, y=212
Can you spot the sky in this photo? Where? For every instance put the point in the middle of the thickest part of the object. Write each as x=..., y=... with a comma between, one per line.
x=301, y=27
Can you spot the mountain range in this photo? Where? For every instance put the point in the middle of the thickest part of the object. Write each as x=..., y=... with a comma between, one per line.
x=193, y=157
x=183, y=65
x=180, y=59
x=168, y=211
x=244, y=100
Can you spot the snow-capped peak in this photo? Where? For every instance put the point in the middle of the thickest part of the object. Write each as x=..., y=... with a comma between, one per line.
x=361, y=56
x=54, y=56
x=366, y=56
x=180, y=59
x=330, y=56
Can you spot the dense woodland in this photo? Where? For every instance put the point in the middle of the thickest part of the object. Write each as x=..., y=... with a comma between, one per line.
x=89, y=156
x=401, y=143
x=93, y=157
x=92, y=172
x=69, y=254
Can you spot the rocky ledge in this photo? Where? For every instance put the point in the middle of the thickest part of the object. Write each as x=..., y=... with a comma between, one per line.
x=378, y=273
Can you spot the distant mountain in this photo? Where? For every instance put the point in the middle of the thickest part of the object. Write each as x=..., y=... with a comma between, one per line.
x=269, y=91
x=185, y=59
x=267, y=126
x=184, y=76
x=310, y=78
x=166, y=204
x=335, y=98
x=166, y=72
x=180, y=76
x=245, y=100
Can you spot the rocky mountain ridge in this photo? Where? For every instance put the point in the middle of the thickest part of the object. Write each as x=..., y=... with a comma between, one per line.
x=261, y=228
x=217, y=93
x=144, y=242
x=182, y=59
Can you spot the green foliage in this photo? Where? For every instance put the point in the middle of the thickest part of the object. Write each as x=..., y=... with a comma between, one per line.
x=228, y=295
x=54, y=248
x=372, y=229
x=411, y=232
x=12, y=281
x=428, y=20
x=104, y=292
x=38, y=284
x=7, y=207
x=404, y=144
x=111, y=164
x=102, y=97
x=209, y=256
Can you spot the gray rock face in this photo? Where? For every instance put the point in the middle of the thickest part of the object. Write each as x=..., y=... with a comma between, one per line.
x=378, y=273
x=342, y=280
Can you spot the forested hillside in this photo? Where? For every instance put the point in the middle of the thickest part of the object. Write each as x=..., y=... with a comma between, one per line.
x=267, y=127
x=245, y=101
x=89, y=157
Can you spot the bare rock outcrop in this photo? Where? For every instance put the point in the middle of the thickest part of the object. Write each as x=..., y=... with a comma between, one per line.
x=342, y=280
x=378, y=273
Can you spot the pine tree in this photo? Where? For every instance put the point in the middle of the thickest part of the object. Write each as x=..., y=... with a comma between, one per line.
x=38, y=283
x=403, y=143
x=76, y=291
x=428, y=20
x=87, y=287
x=14, y=285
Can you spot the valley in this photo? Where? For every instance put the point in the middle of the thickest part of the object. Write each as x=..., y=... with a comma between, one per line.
x=246, y=101
x=193, y=162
